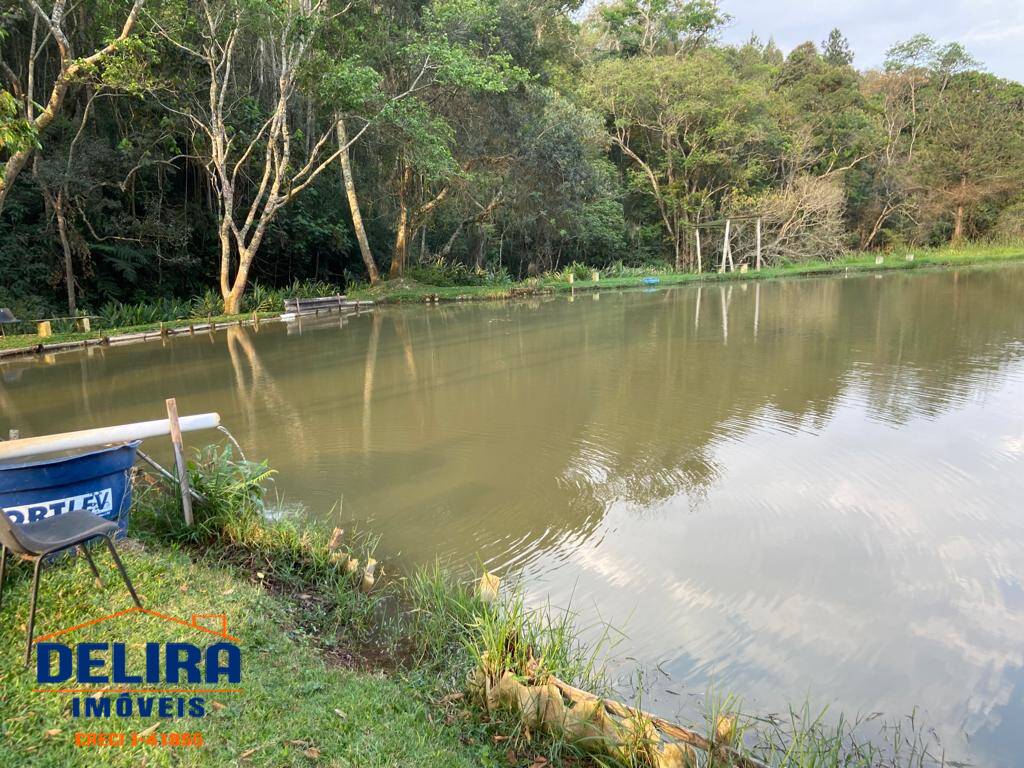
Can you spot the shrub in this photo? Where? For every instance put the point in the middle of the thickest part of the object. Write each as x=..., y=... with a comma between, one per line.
x=445, y=273
x=233, y=526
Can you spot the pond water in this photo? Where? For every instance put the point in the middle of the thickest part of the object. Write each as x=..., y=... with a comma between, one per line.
x=788, y=489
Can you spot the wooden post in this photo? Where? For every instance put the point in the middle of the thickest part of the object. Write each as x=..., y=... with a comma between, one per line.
x=179, y=460
x=725, y=246
x=700, y=267
x=43, y=329
x=83, y=324
x=758, y=244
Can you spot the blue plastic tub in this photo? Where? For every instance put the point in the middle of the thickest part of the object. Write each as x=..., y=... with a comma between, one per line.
x=99, y=481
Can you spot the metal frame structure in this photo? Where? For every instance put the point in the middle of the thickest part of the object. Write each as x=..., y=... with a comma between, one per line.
x=10, y=539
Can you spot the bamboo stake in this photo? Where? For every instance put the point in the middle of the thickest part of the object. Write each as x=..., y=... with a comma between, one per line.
x=758, y=243
x=179, y=460
x=725, y=246
x=699, y=266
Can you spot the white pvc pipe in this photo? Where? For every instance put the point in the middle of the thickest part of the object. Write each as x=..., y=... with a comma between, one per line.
x=90, y=438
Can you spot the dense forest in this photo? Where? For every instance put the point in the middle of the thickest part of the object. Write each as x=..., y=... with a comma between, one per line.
x=171, y=148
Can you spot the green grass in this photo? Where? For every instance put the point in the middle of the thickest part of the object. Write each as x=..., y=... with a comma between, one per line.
x=30, y=341
x=295, y=703
x=410, y=291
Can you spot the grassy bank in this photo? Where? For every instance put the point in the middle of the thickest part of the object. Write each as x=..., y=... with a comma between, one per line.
x=31, y=341
x=401, y=291
x=344, y=670
x=312, y=692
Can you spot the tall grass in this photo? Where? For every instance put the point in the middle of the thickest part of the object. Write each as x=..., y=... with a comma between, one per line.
x=449, y=273
x=259, y=298
x=233, y=527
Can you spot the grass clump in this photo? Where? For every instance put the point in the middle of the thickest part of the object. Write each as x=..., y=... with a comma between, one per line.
x=234, y=527
x=448, y=273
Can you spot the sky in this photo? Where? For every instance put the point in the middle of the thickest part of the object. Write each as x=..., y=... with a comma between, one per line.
x=992, y=30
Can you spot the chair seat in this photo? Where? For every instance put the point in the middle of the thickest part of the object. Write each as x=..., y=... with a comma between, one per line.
x=59, y=531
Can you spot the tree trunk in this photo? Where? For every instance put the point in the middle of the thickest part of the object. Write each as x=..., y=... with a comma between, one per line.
x=353, y=205
x=233, y=298
x=401, y=250
x=224, y=233
x=958, y=218
x=69, y=268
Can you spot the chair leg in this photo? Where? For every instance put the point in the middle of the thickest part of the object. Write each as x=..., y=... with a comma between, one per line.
x=124, y=573
x=84, y=549
x=32, y=608
x=3, y=564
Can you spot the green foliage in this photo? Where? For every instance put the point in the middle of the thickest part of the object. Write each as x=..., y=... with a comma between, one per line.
x=444, y=272
x=513, y=138
x=115, y=314
x=234, y=525
x=16, y=133
x=647, y=27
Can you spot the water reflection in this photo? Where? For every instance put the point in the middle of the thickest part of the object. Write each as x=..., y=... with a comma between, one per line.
x=788, y=488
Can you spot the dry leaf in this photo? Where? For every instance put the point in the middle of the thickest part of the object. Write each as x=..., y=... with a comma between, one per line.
x=149, y=730
x=248, y=753
x=336, y=537
x=487, y=588
x=52, y=732
x=227, y=592
x=260, y=575
x=312, y=753
x=341, y=714
x=217, y=705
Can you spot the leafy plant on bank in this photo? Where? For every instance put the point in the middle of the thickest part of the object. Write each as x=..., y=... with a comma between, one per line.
x=448, y=273
x=234, y=526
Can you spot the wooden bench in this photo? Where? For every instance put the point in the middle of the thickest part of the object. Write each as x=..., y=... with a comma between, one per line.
x=337, y=303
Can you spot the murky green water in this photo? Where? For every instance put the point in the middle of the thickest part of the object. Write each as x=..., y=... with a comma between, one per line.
x=785, y=489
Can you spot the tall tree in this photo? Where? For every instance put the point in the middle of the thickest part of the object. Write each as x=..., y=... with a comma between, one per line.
x=51, y=28
x=246, y=123
x=689, y=128
x=836, y=49
x=974, y=151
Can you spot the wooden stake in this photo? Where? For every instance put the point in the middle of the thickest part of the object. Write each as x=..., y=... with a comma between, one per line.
x=179, y=460
x=758, y=243
x=699, y=266
x=725, y=246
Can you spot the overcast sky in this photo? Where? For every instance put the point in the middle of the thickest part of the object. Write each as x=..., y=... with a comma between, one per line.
x=992, y=30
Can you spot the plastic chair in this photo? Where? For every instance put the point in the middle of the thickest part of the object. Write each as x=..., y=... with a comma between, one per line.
x=34, y=541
